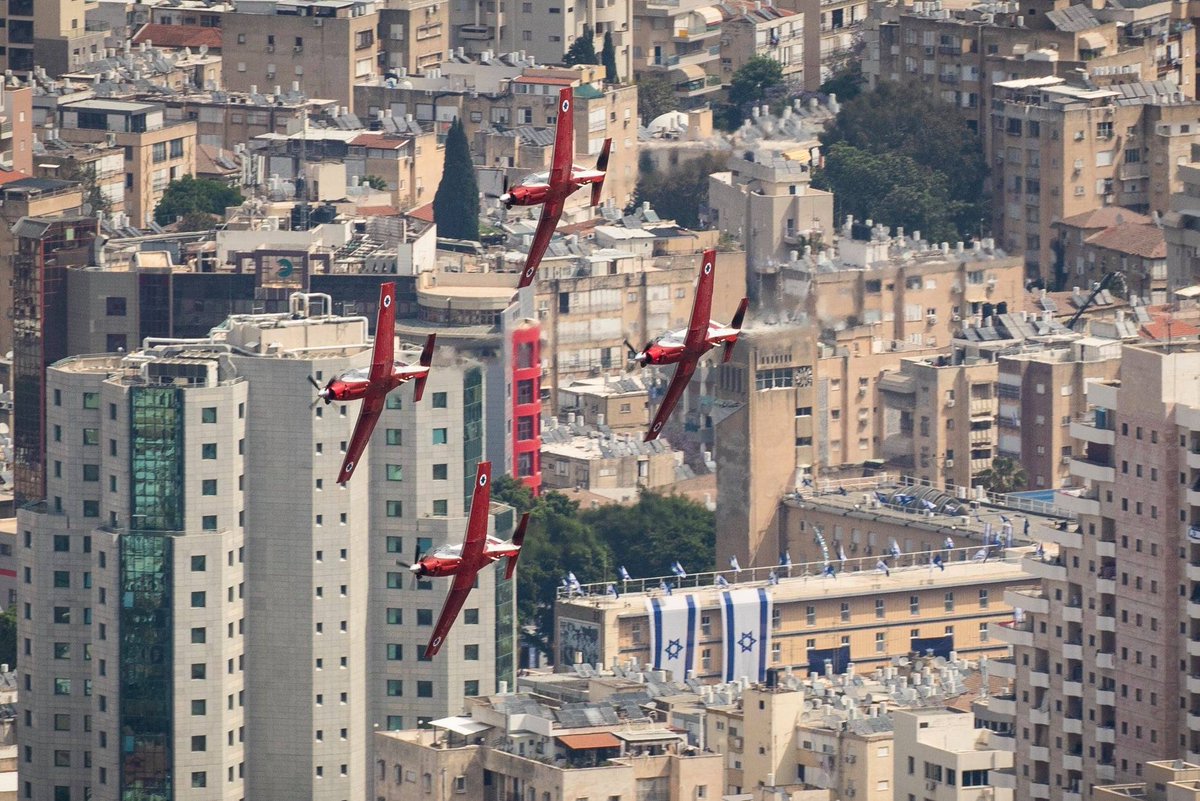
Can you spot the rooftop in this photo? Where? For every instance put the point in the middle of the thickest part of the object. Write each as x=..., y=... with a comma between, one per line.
x=177, y=36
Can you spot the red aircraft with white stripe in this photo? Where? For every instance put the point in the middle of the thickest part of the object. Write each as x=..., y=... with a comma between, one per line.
x=372, y=384
x=553, y=188
x=464, y=562
x=684, y=348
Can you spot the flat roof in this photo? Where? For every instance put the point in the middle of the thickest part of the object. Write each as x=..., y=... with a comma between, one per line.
x=580, y=742
x=100, y=104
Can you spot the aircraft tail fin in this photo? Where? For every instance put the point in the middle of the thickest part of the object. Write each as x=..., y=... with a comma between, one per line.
x=602, y=166
x=738, y=317
x=426, y=360
x=517, y=540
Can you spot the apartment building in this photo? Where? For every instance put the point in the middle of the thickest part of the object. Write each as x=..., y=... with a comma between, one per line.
x=229, y=119
x=328, y=46
x=941, y=755
x=580, y=750
x=414, y=35
x=1114, y=607
x=861, y=615
x=681, y=42
x=1172, y=780
x=1043, y=399
x=308, y=613
x=1087, y=147
x=97, y=169
x=1179, y=227
x=58, y=38
x=763, y=30
x=606, y=464
x=156, y=151
x=621, y=404
x=16, y=129
x=1108, y=239
x=768, y=202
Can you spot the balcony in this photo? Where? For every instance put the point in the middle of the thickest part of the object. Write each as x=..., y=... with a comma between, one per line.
x=1106, y=697
x=1072, y=762
x=1072, y=725
x=1029, y=600
x=1002, y=668
x=1003, y=779
x=1193, y=683
x=1045, y=568
x=1094, y=427
x=1106, y=623
x=1003, y=705
x=1106, y=548
x=1072, y=650
x=1085, y=503
x=1039, y=753
x=1193, y=647
x=1193, y=608
x=1106, y=586
x=1039, y=717
x=1093, y=470
x=1067, y=538
x=1193, y=496
x=1193, y=457
x=983, y=407
x=1038, y=678
x=1105, y=660
x=1106, y=734
x=1103, y=394
x=982, y=436
x=1193, y=571
x=1015, y=634
x=1039, y=790
x=1193, y=719
x=1073, y=689
x=1002, y=742
x=1072, y=614
x=695, y=34
x=1106, y=773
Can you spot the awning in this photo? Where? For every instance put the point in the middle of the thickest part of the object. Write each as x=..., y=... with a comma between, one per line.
x=583, y=742
x=711, y=14
x=460, y=725
x=975, y=293
x=1188, y=292
x=688, y=72
x=652, y=736
x=1092, y=41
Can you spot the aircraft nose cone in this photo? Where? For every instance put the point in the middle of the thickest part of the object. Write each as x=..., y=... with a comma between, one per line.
x=506, y=197
x=415, y=568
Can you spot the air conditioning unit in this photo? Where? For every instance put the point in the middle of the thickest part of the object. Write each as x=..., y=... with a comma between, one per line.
x=950, y=403
x=851, y=759
x=1079, y=136
x=949, y=463
x=931, y=785
x=317, y=23
x=270, y=48
x=931, y=319
x=956, y=318
x=736, y=743
x=1066, y=460
x=298, y=49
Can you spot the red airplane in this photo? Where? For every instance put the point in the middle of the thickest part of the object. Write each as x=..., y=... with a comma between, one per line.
x=552, y=189
x=465, y=561
x=372, y=384
x=684, y=348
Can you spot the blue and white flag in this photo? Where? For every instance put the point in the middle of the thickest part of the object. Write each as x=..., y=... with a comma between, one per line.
x=746, y=627
x=664, y=586
x=829, y=571
x=573, y=585
x=981, y=555
x=928, y=504
x=721, y=582
x=882, y=567
x=894, y=549
x=623, y=574
x=612, y=590
x=733, y=565
x=949, y=543
x=772, y=579
x=937, y=562
x=841, y=553
x=822, y=543
x=674, y=632
x=678, y=570
x=785, y=559
x=987, y=531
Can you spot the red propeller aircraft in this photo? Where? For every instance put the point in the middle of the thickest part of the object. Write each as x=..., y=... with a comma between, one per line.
x=465, y=561
x=684, y=348
x=372, y=384
x=552, y=189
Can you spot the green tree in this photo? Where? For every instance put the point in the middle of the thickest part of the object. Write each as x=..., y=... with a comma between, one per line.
x=888, y=187
x=8, y=637
x=656, y=96
x=902, y=119
x=680, y=192
x=190, y=195
x=658, y=530
x=1004, y=476
x=751, y=85
x=583, y=49
x=846, y=82
x=85, y=174
x=608, y=57
x=376, y=182
x=456, y=203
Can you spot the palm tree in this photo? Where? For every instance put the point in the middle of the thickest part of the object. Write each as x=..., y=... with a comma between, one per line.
x=1003, y=477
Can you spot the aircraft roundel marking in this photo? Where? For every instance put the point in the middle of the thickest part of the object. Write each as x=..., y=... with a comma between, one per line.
x=529, y=272
x=566, y=105
x=483, y=481
x=387, y=301
x=707, y=267
x=349, y=467
x=437, y=641
x=657, y=426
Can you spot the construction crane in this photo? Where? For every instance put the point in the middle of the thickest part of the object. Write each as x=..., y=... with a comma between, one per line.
x=1097, y=288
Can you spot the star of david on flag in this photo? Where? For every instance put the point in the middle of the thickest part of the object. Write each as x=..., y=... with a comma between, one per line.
x=746, y=633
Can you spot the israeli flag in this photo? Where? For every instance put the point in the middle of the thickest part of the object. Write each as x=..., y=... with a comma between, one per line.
x=882, y=567
x=928, y=504
x=733, y=565
x=772, y=579
x=937, y=562
x=623, y=574
x=721, y=582
x=746, y=633
x=949, y=543
x=894, y=549
x=987, y=531
x=841, y=553
x=612, y=590
x=674, y=632
x=573, y=585
x=785, y=559
x=664, y=586
x=829, y=571
x=678, y=570
x=981, y=555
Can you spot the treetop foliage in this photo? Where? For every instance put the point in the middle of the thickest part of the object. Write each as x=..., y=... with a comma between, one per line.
x=456, y=202
x=189, y=196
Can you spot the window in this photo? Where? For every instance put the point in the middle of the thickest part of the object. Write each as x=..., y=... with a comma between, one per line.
x=439, y=400
x=91, y=508
x=395, y=436
x=395, y=616
x=441, y=508
x=62, y=650
x=914, y=604
x=208, y=450
x=198, y=564
x=471, y=653
x=395, y=472
x=199, y=742
x=114, y=306
x=395, y=687
x=208, y=522
x=470, y=688
x=395, y=652
x=949, y=602
x=62, y=722
x=62, y=614
x=62, y=543
x=199, y=599
x=983, y=599
x=199, y=635
x=525, y=391
x=439, y=436
x=440, y=472
x=208, y=486
x=395, y=508
x=424, y=689
x=199, y=778
x=471, y=617
x=62, y=686
x=199, y=706
x=879, y=608
x=424, y=617
x=91, y=436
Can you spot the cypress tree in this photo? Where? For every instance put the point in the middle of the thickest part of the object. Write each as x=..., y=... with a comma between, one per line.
x=456, y=203
x=582, y=50
x=609, y=59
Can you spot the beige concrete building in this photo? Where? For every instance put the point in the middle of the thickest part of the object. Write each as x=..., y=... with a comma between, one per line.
x=514, y=746
x=1115, y=605
x=612, y=465
x=229, y=119
x=1180, y=228
x=1061, y=150
x=58, y=38
x=98, y=168
x=16, y=129
x=861, y=615
x=1108, y=239
x=621, y=404
x=763, y=30
x=156, y=151
x=327, y=46
x=679, y=41
x=415, y=35
x=1165, y=781
x=941, y=755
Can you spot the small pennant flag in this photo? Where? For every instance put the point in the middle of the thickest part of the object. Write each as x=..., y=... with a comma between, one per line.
x=612, y=590
x=721, y=582
x=733, y=564
x=785, y=559
x=678, y=570
x=772, y=578
x=573, y=584
x=829, y=571
x=949, y=543
x=623, y=574
x=937, y=562
x=841, y=553
x=882, y=567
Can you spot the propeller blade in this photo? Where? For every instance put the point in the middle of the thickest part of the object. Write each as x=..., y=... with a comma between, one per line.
x=632, y=350
x=313, y=381
x=404, y=564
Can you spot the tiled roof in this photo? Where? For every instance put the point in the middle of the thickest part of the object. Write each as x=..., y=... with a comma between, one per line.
x=1136, y=239
x=1104, y=217
x=424, y=213
x=378, y=141
x=178, y=36
x=1163, y=329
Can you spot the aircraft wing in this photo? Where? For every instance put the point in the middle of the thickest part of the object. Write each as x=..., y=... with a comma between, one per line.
x=679, y=381
x=472, y=558
x=564, y=138
x=368, y=416
x=385, y=334
x=551, y=211
x=697, y=331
